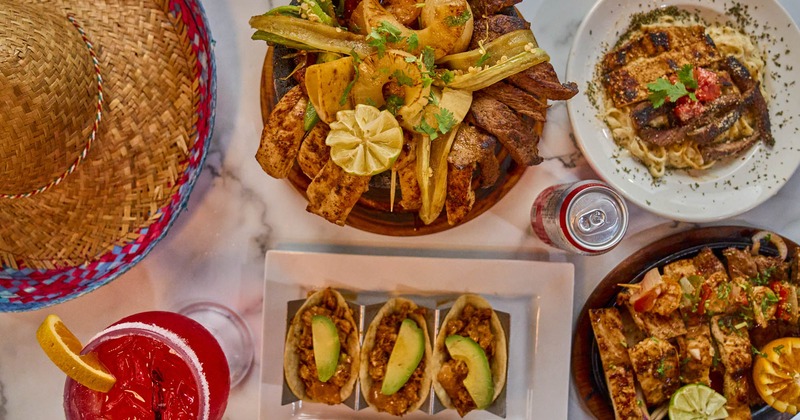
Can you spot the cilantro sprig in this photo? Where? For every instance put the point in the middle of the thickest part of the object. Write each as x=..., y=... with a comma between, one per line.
x=445, y=122
x=459, y=20
x=386, y=33
x=662, y=90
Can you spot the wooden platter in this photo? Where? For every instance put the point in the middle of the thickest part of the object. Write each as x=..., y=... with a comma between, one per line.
x=587, y=370
x=372, y=214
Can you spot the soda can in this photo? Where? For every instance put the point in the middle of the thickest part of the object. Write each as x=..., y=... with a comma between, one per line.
x=585, y=217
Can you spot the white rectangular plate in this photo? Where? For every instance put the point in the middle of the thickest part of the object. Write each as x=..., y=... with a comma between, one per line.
x=537, y=295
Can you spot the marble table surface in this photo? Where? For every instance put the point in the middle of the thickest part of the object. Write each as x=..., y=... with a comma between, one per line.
x=216, y=249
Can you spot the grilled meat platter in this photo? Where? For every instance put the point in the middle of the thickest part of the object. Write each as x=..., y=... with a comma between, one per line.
x=458, y=156
x=693, y=308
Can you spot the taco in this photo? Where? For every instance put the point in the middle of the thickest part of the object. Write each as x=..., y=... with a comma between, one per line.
x=333, y=346
x=470, y=356
x=398, y=334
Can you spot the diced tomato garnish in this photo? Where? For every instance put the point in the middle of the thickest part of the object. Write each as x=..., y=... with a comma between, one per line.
x=646, y=301
x=783, y=294
x=708, y=86
x=686, y=109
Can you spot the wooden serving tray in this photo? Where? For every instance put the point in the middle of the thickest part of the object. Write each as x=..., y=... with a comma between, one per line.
x=372, y=213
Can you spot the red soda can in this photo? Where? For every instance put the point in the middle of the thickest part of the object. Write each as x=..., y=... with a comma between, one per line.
x=585, y=217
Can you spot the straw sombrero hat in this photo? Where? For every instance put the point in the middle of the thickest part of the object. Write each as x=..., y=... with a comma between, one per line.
x=106, y=108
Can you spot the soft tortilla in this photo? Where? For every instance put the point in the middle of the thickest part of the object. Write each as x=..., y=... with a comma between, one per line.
x=391, y=306
x=291, y=360
x=498, y=363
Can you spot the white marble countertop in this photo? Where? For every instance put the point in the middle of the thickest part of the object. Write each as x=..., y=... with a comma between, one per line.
x=216, y=249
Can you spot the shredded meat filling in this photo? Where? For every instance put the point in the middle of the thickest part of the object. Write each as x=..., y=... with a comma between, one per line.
x=328, y=392
x=385, y=337
x=474, y=323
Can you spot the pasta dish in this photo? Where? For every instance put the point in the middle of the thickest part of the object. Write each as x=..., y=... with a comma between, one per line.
x=684, y=95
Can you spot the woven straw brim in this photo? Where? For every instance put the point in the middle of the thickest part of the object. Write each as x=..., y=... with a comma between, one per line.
x=149, y=124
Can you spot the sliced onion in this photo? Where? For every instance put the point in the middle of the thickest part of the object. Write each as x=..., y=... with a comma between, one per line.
x=776, y=240
x=695, y=353
x=651, y=284
x=686, y=286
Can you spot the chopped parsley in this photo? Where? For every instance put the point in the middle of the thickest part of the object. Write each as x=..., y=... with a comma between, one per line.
x=413, y=42
x=778, y=349
x=384, y=33
x=483, y=59
x=756, y=352
x=402, y=78
x=393, y=103
x=444, y=120
x=447, y=76
x=459, y=20
x=662, y=89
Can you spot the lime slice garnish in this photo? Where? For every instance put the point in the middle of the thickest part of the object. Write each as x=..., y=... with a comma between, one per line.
x=696, y=401
x=63, y=348
x=365, y=141
x=776, y=374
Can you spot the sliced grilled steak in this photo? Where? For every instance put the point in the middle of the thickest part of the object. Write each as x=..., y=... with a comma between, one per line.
x=718, y=151
x=542, y=80
x=472, y=146
x=519, y=136
x=482, y=8
x=518, y=100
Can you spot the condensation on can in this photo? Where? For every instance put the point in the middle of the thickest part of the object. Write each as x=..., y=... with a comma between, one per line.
x=585, y=217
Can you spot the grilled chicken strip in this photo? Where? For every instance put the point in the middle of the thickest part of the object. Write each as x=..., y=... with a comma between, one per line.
x=735, y=354
x=314, y=153
x=460, y=195
x=652, y=42
x=282, y=134
x=333, y=193
x=733, y=343
x=681, y=268
x=735, y=387
x=410, y=194
x=696, y=354
x=652, y=324
x=607, y=327
x=628, y=84
x=657, y=369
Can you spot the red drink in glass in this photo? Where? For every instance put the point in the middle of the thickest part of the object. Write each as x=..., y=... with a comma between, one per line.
x=166, y=365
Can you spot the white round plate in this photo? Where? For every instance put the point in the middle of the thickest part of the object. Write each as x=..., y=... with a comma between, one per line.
x=730, y=187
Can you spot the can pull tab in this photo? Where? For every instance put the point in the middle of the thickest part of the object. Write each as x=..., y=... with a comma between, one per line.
x=591, y=220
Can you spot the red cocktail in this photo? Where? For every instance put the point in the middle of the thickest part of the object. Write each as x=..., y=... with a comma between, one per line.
x=166, y=365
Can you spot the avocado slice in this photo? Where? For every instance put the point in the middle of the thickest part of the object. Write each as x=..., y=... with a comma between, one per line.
x=406, y=355
x=325, y=338
x=479, y=382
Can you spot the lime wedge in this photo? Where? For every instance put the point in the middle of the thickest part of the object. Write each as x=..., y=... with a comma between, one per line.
x=365, y=141
x=696, y=401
